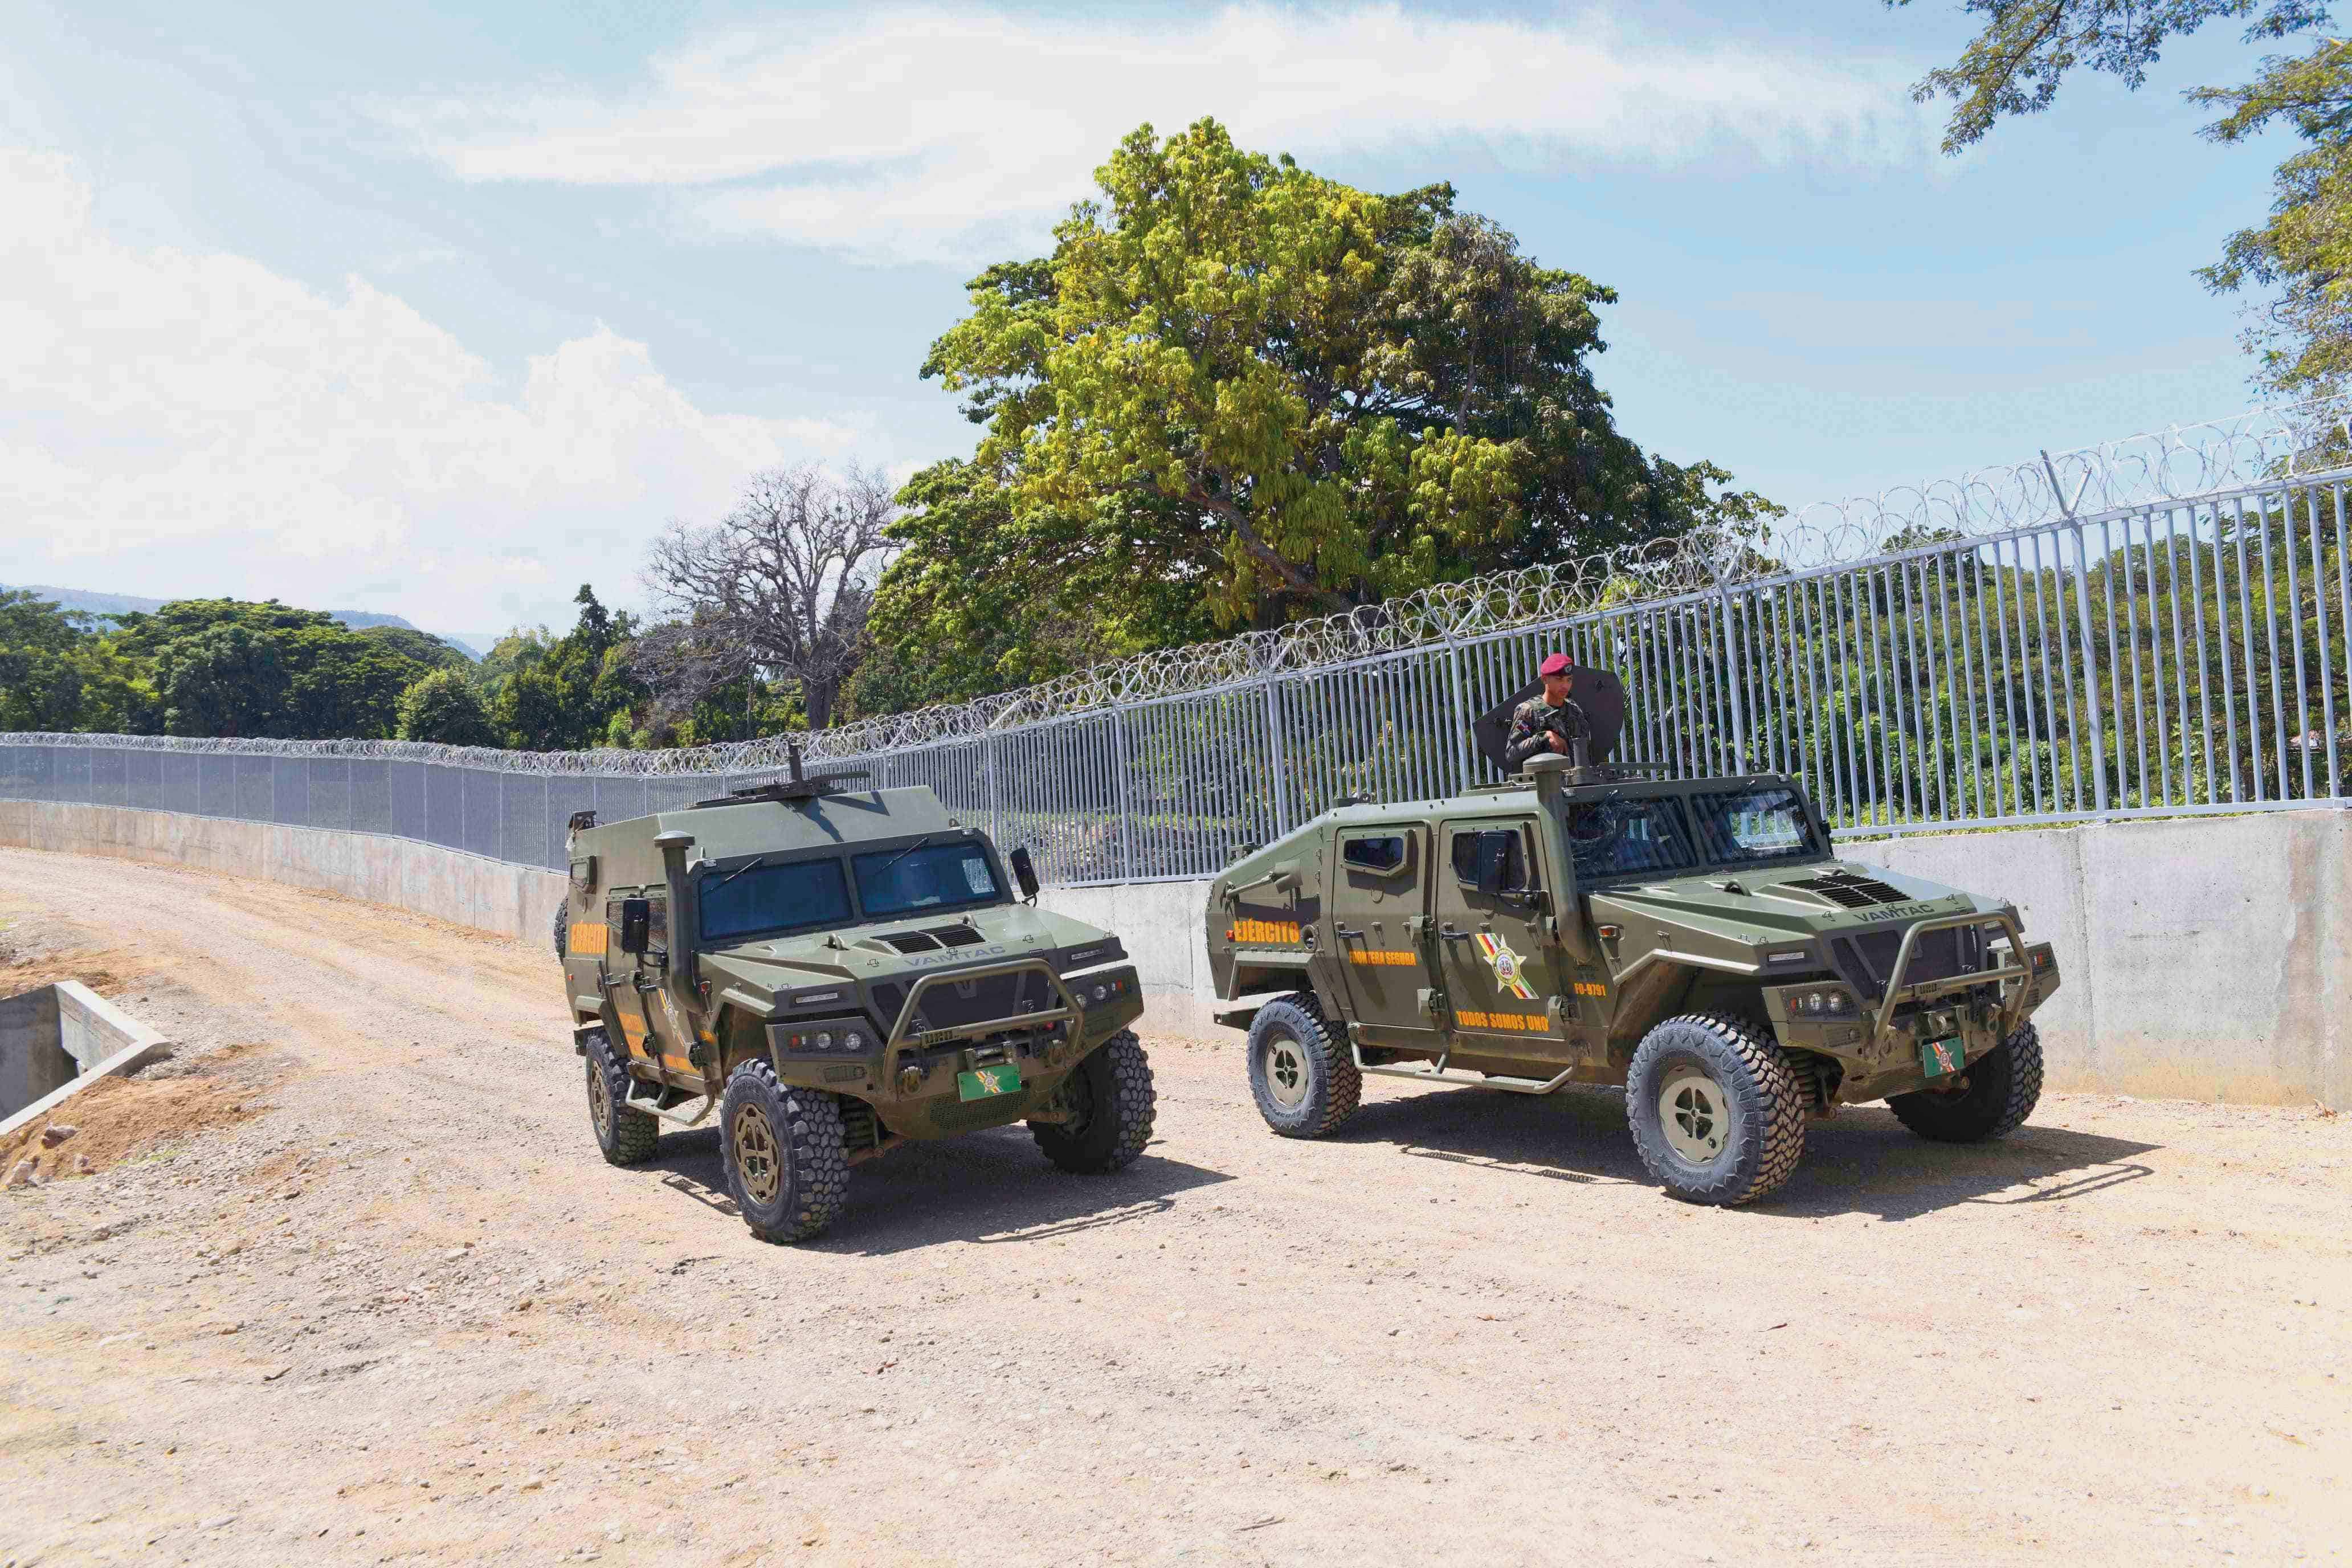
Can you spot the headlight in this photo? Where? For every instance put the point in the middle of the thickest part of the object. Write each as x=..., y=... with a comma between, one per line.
x=1102, y=992
x=824, y=1040
x=853, y=1041
x=1820, y=1005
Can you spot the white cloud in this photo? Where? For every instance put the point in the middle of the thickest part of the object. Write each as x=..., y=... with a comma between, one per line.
x=165, y=413
x=923, y=135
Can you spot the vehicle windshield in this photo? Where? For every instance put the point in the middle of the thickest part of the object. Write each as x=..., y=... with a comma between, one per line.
x=790, y=897
x=1623, y=838
x=927, y=877
x=1753, y=827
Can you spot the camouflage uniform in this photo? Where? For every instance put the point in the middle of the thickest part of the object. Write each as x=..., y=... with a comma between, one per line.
x=1530, y=730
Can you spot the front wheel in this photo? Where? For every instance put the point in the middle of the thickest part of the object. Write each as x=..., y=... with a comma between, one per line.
x=781, y=1151
x=1990, y=1099
x=626, y=1135
x=1109, y=1101
x=1718, y=1114
x=1301, y=1075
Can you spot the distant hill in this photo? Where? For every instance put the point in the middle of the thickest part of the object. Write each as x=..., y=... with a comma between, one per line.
x=123, y=603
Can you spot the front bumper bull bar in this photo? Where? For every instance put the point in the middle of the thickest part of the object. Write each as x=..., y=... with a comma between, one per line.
x=903, y=1040
x=2020, y=969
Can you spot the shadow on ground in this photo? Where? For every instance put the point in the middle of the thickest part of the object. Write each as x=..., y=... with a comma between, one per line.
x=1863, y=1162
x=992, y=1187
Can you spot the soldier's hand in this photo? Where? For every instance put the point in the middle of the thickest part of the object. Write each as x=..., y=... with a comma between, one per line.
x=1552, y=739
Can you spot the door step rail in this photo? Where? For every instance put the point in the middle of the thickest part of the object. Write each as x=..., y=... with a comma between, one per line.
x=1439, y=1073
x=675, y=1114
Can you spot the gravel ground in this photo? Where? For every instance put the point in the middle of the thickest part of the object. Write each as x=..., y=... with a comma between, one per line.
x=404, y=1313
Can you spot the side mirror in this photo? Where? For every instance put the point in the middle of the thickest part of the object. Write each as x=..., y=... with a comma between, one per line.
x=636, y=924
x=1025, y=871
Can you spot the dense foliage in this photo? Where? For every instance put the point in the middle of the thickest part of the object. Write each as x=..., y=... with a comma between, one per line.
x=1237, y=393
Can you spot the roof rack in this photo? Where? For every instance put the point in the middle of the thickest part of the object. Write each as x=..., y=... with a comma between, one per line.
x=802, y=785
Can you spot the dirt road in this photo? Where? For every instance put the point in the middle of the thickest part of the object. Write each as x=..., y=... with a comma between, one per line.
x=396, y=1310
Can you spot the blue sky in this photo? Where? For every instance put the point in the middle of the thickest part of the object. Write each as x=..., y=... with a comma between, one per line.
x=440, y=312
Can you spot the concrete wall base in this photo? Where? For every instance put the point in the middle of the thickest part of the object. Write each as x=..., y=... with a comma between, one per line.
x=2207, y=957
x=446, y=884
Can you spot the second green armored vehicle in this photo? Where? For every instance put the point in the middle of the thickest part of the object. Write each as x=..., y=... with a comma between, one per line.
x=1694, y=941
x=836, y=972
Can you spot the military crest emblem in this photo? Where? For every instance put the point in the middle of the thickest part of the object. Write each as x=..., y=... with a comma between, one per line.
x=1505, y=964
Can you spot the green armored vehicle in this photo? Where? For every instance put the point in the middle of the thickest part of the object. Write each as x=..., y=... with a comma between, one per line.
x=836, y=972
x=1694, y=941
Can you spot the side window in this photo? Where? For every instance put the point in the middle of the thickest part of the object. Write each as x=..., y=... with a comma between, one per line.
x=1378, y=855
x=1499, y=852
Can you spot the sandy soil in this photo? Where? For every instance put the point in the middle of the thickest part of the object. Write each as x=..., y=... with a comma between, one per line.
x=402, y=1312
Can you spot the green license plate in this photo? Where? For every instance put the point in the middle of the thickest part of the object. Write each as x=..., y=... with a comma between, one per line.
x=1938, y=1058
x=988, y=1081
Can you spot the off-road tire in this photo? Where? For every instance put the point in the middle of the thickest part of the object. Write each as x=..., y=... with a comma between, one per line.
x=1290, y=1036
x=799, y=1179
x=1761, y=1111
x=1998, y=1092
x=627, y=1136
x=1114, y=1122
x=563, y=931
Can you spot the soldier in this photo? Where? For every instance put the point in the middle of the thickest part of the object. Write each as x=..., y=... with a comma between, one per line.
x=1543, y=723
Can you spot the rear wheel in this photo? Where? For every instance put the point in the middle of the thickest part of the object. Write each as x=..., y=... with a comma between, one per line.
x=1300, y=1073
x=781, y=1151
x=1718, y=1114
x=626, y=1136
x=1991, y=1098
x=562, y=931
x=1109, y=1102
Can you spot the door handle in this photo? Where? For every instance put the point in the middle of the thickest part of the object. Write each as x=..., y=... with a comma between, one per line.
x=1450, y=934
x=1344, y=931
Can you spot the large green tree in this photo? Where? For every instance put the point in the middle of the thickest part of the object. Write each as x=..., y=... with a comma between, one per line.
x=554, y=694
x=442, y=707
x=984, y=597
x=226, y=667
x=2302, y=257
x=58, y=672
x=1285, y=396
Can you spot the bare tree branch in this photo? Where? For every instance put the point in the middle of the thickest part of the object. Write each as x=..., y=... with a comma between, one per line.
x=782, y=583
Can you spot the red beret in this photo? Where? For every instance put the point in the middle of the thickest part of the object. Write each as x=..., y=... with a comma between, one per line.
x=1557, y=664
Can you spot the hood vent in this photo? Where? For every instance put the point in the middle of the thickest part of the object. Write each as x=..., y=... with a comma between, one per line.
x=1850, y=891
x=925, y=941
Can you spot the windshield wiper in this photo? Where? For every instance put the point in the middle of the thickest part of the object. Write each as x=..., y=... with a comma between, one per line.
x=749, y=865
x=910, y=849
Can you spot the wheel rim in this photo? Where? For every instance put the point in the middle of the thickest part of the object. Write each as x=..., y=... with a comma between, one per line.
x=1285, y=1072
x=1695, y=1114
x=756, y=1165
x=600, y=1101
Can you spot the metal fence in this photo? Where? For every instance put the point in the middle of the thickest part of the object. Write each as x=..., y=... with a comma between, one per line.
x=1995, y=652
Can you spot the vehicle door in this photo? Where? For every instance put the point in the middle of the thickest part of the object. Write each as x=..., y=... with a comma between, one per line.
x=1379, y=907
x=1493, y=936
x=637, y=983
